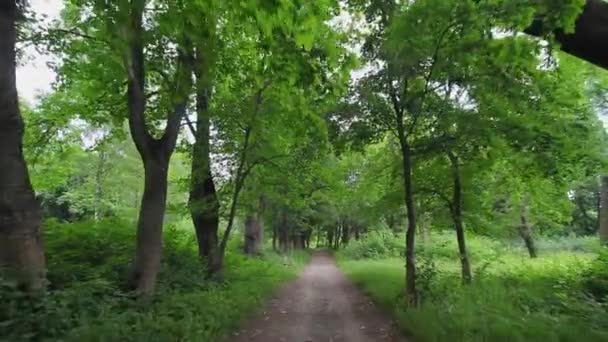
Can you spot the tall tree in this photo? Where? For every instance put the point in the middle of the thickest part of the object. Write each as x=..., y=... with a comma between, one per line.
x=110, y=46
x=203, y=198
x=21, y=250
x=155, y=152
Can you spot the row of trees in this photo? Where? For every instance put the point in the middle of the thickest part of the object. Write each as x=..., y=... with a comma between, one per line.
x=476, y=113
x=250, y=110
x=242, y=84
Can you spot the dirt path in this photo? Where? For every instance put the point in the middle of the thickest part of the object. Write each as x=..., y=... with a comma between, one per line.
x=320, y=306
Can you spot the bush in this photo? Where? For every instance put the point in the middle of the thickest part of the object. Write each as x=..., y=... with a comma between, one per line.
x=596, y=278
x=384, y=244
x=378, y=244
x=444, y=245
x=88, y=263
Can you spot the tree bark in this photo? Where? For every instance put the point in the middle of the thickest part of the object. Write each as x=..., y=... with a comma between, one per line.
x=411, y=292
x=525, y=231
x=254, y=230
x=21, y=249
x=274, y=236
x=99, y=184
x=590, y=34
x=203, y=201
x=337, y=234
x=457, y=218
x=155, y=153
x=150, y=226
x=346, y=225
x=603, y=210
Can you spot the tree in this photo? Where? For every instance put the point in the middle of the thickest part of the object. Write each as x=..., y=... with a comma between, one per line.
x=422, y=72
x=153, y=63
x=582, y=33
x=21, y=249
x=603, y=209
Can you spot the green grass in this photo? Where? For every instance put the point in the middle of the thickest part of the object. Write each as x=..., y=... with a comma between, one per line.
x=512, y=298
x=88, y=263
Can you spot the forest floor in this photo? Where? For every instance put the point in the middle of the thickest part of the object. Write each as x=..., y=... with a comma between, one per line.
x=321, y=305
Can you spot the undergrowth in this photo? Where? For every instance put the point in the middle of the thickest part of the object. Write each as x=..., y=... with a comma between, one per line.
x=560, y=296
x=87, y=267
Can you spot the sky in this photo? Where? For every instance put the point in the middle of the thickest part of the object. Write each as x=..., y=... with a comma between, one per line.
x=35, y=77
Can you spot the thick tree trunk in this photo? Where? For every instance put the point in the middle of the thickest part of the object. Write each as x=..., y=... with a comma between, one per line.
x=254, y=229
x=21, y=250
x=411, y=292
x=155, y=153
x=603, y=210
x=253, y=234
x=590, y=34
x=299, y=240
x=525, y=231
x=150, y=226
x=457, y=218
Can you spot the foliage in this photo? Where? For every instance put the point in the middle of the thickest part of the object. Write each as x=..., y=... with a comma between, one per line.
x=596, y=277
x=87, y=265
x=313, y=149
x=512, y=299
x=375, y=245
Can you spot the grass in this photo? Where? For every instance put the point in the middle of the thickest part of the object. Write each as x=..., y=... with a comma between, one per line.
x=87, y=266
x=512, y=298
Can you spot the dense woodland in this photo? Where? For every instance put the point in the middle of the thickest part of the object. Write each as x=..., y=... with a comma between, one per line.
x=192, y=151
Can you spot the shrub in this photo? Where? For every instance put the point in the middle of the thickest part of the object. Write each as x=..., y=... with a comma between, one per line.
x=377, y=244
x=596, y=278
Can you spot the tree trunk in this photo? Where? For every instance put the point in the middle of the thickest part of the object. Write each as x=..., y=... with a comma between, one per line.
x=21, y=250
x=346, y=225
x=203, y=201
x=525, y=231
x=425, y=228
x=603, y=210
x=337, y=233
x=457, y=218
x=411, y=292
x=254, y=229
x=588, y=38
x=150, y=226
x=155, y=153
x=283, y=232
x=274, y=236
x=253, y=234
x=300, y=240
x=99, y=184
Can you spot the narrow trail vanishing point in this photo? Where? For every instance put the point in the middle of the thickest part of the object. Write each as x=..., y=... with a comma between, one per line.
x=320, y=306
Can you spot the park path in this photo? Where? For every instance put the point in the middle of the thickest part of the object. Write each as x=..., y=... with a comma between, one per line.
x=320, y=306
